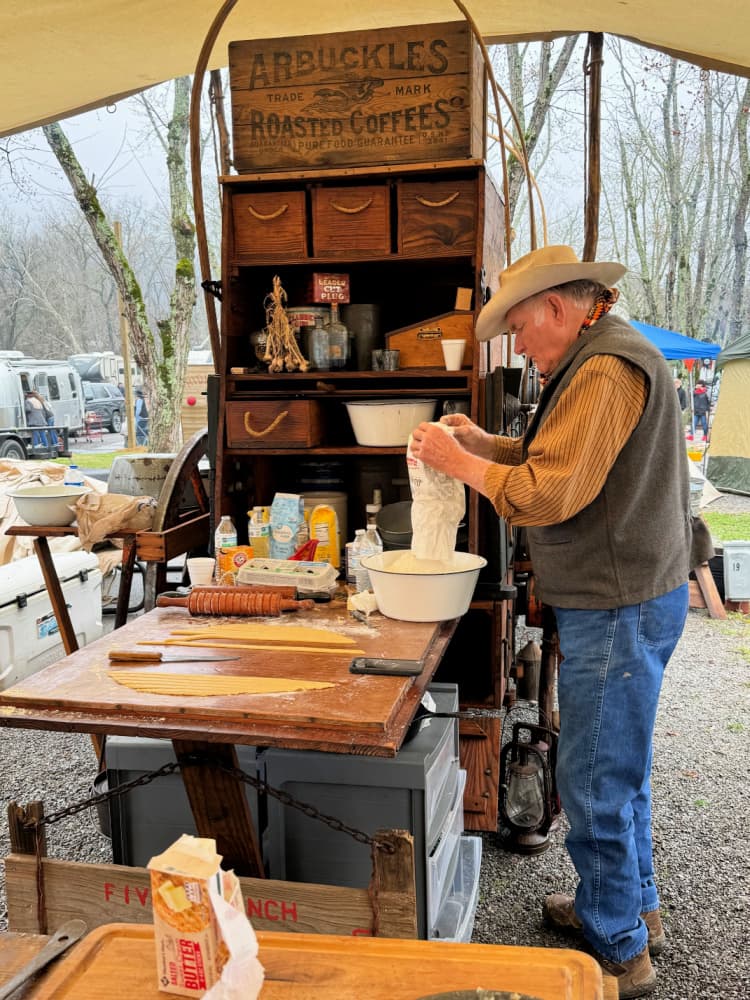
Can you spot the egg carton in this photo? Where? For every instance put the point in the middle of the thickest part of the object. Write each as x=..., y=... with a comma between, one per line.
x=307, y=577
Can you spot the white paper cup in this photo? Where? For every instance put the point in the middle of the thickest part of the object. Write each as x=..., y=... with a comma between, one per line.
x=453, y=353
x=201, y=571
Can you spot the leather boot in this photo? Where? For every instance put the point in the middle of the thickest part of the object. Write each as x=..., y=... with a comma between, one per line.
x=635, y=978
x=559, y=912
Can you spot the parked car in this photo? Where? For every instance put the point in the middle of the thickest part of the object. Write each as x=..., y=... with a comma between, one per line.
x=107, y=402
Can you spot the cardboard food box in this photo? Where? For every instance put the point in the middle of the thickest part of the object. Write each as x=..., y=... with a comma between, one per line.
x=391, y=95
x=190, y=949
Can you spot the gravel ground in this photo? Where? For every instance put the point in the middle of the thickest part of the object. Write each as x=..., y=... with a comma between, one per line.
x=701, y=816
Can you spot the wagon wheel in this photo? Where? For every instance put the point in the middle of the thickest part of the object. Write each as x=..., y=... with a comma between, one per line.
x=176, y=505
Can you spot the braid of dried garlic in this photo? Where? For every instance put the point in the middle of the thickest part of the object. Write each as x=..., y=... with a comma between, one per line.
x=281, y=346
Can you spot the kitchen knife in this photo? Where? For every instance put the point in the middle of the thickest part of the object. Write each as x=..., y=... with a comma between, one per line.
x=140, y=656
x=66, y=935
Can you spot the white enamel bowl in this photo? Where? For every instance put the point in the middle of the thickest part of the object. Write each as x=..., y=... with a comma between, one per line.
x=424, y=597
x=47, y=505
x=387, y=422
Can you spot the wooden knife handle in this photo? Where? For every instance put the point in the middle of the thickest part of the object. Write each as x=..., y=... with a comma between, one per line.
x=171, y=602
x=132, y=656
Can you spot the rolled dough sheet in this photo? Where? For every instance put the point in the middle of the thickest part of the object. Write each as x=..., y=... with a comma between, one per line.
x=250, y=632
x=209, y=685
x=267, y=647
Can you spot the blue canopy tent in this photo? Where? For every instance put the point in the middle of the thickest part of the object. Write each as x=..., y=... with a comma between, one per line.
x=675, y=346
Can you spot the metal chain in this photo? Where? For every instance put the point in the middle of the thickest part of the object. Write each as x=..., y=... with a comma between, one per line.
x=235, y=772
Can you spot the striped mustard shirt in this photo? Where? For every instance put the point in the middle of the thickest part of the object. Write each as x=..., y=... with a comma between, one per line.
x=573, y=451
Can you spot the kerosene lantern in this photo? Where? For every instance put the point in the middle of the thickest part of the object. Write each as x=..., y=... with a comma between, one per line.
x=528, y=795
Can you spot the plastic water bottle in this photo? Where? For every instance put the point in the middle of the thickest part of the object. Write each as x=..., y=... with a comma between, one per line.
x=354, y=555
x=225, y=537
x=73, y=476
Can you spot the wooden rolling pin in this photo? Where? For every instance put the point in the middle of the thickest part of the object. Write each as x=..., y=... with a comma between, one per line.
x=226, y=601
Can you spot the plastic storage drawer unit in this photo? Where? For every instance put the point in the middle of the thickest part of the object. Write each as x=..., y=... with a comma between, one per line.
x=415, y=790
x=455, y=922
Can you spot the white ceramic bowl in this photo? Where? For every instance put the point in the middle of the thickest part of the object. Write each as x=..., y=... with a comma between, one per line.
x=47, y=505
x=424, y=597
x=387, y=422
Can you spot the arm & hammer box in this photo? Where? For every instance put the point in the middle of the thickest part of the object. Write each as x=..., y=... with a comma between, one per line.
x=190, y=949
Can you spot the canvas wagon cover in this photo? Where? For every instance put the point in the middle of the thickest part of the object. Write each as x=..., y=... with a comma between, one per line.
x=60, y=57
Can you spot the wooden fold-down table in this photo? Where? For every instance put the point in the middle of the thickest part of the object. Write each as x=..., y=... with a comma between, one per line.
x=358, y=714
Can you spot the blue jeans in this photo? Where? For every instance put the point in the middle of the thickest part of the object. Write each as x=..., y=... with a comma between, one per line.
x=701, y=420
x=610, y=678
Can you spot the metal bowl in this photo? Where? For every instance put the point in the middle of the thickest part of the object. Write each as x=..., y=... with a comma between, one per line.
x=52, y=505
x=394, y=525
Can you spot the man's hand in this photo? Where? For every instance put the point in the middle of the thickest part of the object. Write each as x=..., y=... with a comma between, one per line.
x=437, y=449
x=471, y=437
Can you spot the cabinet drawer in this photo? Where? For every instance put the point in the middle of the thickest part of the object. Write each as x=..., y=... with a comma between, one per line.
x=269, y=222
x=279, y=423
x=348, y=221
x=437, y=217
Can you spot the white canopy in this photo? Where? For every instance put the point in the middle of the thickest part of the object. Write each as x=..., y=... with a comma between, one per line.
x=60, y=57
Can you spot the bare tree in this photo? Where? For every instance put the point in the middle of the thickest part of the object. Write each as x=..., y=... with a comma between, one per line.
x=678, y=136
x=532, y=66
x=161, y=353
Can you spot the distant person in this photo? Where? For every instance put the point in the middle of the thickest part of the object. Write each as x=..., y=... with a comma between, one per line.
x=33, y=405
x=141, y=417
x=681, y=394
x=701, y=407
x=49, y=413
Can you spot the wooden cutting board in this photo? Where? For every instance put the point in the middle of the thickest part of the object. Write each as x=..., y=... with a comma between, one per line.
x=117, y=962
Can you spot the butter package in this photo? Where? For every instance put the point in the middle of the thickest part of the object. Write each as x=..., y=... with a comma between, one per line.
x=185, y=882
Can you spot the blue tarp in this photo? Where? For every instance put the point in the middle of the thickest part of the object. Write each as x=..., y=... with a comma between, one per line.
x=675, y=346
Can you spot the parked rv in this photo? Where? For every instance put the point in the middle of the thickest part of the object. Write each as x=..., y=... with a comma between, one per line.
x=105, y=366
x=61, y=387
x=60, y=384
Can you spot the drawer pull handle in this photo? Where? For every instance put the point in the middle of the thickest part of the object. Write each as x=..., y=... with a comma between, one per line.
x=271, y=427
x=437, y=204
x=352, y=211
x=271, y=215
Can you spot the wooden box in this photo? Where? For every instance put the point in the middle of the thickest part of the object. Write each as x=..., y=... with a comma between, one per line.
x=420, y=344
x=269, y=223
x=390, y=95
x=278, y=423
x=350, y=221
x=437, y=217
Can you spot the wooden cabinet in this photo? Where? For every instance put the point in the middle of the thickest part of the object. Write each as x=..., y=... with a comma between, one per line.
x=410, y=238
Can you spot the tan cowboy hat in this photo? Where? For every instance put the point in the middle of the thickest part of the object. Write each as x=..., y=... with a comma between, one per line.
x=535, y=272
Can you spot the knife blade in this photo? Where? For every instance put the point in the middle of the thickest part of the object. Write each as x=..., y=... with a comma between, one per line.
x=66, y=935
x=141, y=656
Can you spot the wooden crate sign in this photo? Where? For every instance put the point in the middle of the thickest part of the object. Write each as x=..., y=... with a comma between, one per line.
x=401, y=95
x=102, y=894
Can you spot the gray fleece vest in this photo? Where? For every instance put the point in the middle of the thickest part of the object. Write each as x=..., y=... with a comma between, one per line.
x=632, y=542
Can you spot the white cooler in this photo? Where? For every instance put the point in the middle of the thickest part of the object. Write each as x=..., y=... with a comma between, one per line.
x=29, y=635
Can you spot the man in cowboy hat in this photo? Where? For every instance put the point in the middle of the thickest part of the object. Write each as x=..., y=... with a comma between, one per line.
x=600, y=482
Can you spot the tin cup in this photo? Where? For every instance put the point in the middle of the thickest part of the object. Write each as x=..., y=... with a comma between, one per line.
x=377, y=360
x=390, y=361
